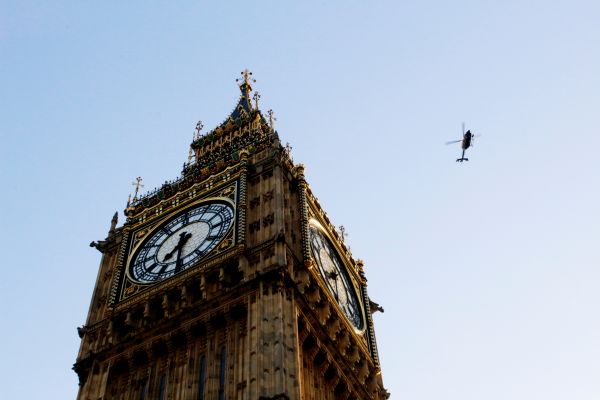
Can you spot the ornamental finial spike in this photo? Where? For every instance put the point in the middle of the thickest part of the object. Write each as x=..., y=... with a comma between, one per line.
x=113, y=223
x=246, y=81
x=199, y=127
x=272, y=119
x=256, y=98
x=138, y=184
x=287, y=150
x=343, y=234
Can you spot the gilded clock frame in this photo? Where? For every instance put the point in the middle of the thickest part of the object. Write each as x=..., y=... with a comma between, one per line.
x=225, y=242
x=352, y=275
x=230, y=193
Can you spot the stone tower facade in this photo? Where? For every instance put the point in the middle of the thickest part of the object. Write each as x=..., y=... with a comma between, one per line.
x=229, y=283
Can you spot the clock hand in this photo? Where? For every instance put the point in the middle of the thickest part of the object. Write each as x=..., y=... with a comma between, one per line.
x=334, y=275
x=183, y=238
x=337, y=288
x=178, y=261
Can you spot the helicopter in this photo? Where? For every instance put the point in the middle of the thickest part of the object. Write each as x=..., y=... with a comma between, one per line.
x=465, y=143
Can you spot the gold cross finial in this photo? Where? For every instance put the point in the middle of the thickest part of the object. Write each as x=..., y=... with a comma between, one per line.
x=247, y=78
x=138, y=184
x=247, y=74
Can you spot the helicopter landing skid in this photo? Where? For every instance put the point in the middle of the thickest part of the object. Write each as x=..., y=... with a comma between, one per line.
x=462, y=159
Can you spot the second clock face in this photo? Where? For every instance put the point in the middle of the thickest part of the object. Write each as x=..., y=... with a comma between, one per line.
x=181, y=241
x=335, y=276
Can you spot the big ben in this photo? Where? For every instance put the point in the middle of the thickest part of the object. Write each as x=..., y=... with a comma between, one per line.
x=229, y=282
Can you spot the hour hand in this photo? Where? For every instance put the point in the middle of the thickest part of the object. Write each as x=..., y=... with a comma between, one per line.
x=169, y=255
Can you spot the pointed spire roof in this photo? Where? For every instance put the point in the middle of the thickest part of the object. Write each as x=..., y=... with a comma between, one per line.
x=246, y=119
x=244, y=105
x=244, y=112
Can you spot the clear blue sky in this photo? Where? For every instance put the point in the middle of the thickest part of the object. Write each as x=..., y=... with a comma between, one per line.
x=488, y=270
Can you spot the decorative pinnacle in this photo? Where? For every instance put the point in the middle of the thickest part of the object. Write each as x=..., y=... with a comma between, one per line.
x=199, y=127
x=114, y=221
x=138, y=184
x=246, y=85
x=288, y=151
x=272, y=119
x=256, y=98
x=195, y=137
x=343, y=233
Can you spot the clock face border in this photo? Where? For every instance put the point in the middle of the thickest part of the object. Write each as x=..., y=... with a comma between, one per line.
x=129, y=286
x=350, y=285
x=159, y=227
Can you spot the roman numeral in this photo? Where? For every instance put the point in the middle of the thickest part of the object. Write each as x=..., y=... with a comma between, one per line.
x=162, y=269
x=150, y=268
x=145, y=277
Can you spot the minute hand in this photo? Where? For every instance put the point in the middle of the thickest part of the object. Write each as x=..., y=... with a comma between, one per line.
x=178, y=263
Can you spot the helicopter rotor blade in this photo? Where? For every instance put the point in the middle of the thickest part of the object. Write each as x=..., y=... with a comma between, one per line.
x=463, y=128
x=454, y=141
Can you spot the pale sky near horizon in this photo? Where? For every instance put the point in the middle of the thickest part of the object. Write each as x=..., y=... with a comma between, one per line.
x=488, y=270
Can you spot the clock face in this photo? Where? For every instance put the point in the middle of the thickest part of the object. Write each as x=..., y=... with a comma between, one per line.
x=335, y=276
x=181, y=241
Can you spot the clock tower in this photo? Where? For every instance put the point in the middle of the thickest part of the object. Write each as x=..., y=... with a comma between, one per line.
x=229, y=282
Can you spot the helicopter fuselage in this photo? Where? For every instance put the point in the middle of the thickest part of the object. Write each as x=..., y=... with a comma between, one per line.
x=466, y=142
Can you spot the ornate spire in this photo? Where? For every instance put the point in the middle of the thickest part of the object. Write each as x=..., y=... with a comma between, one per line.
x=244, y=106
x=219, y=144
